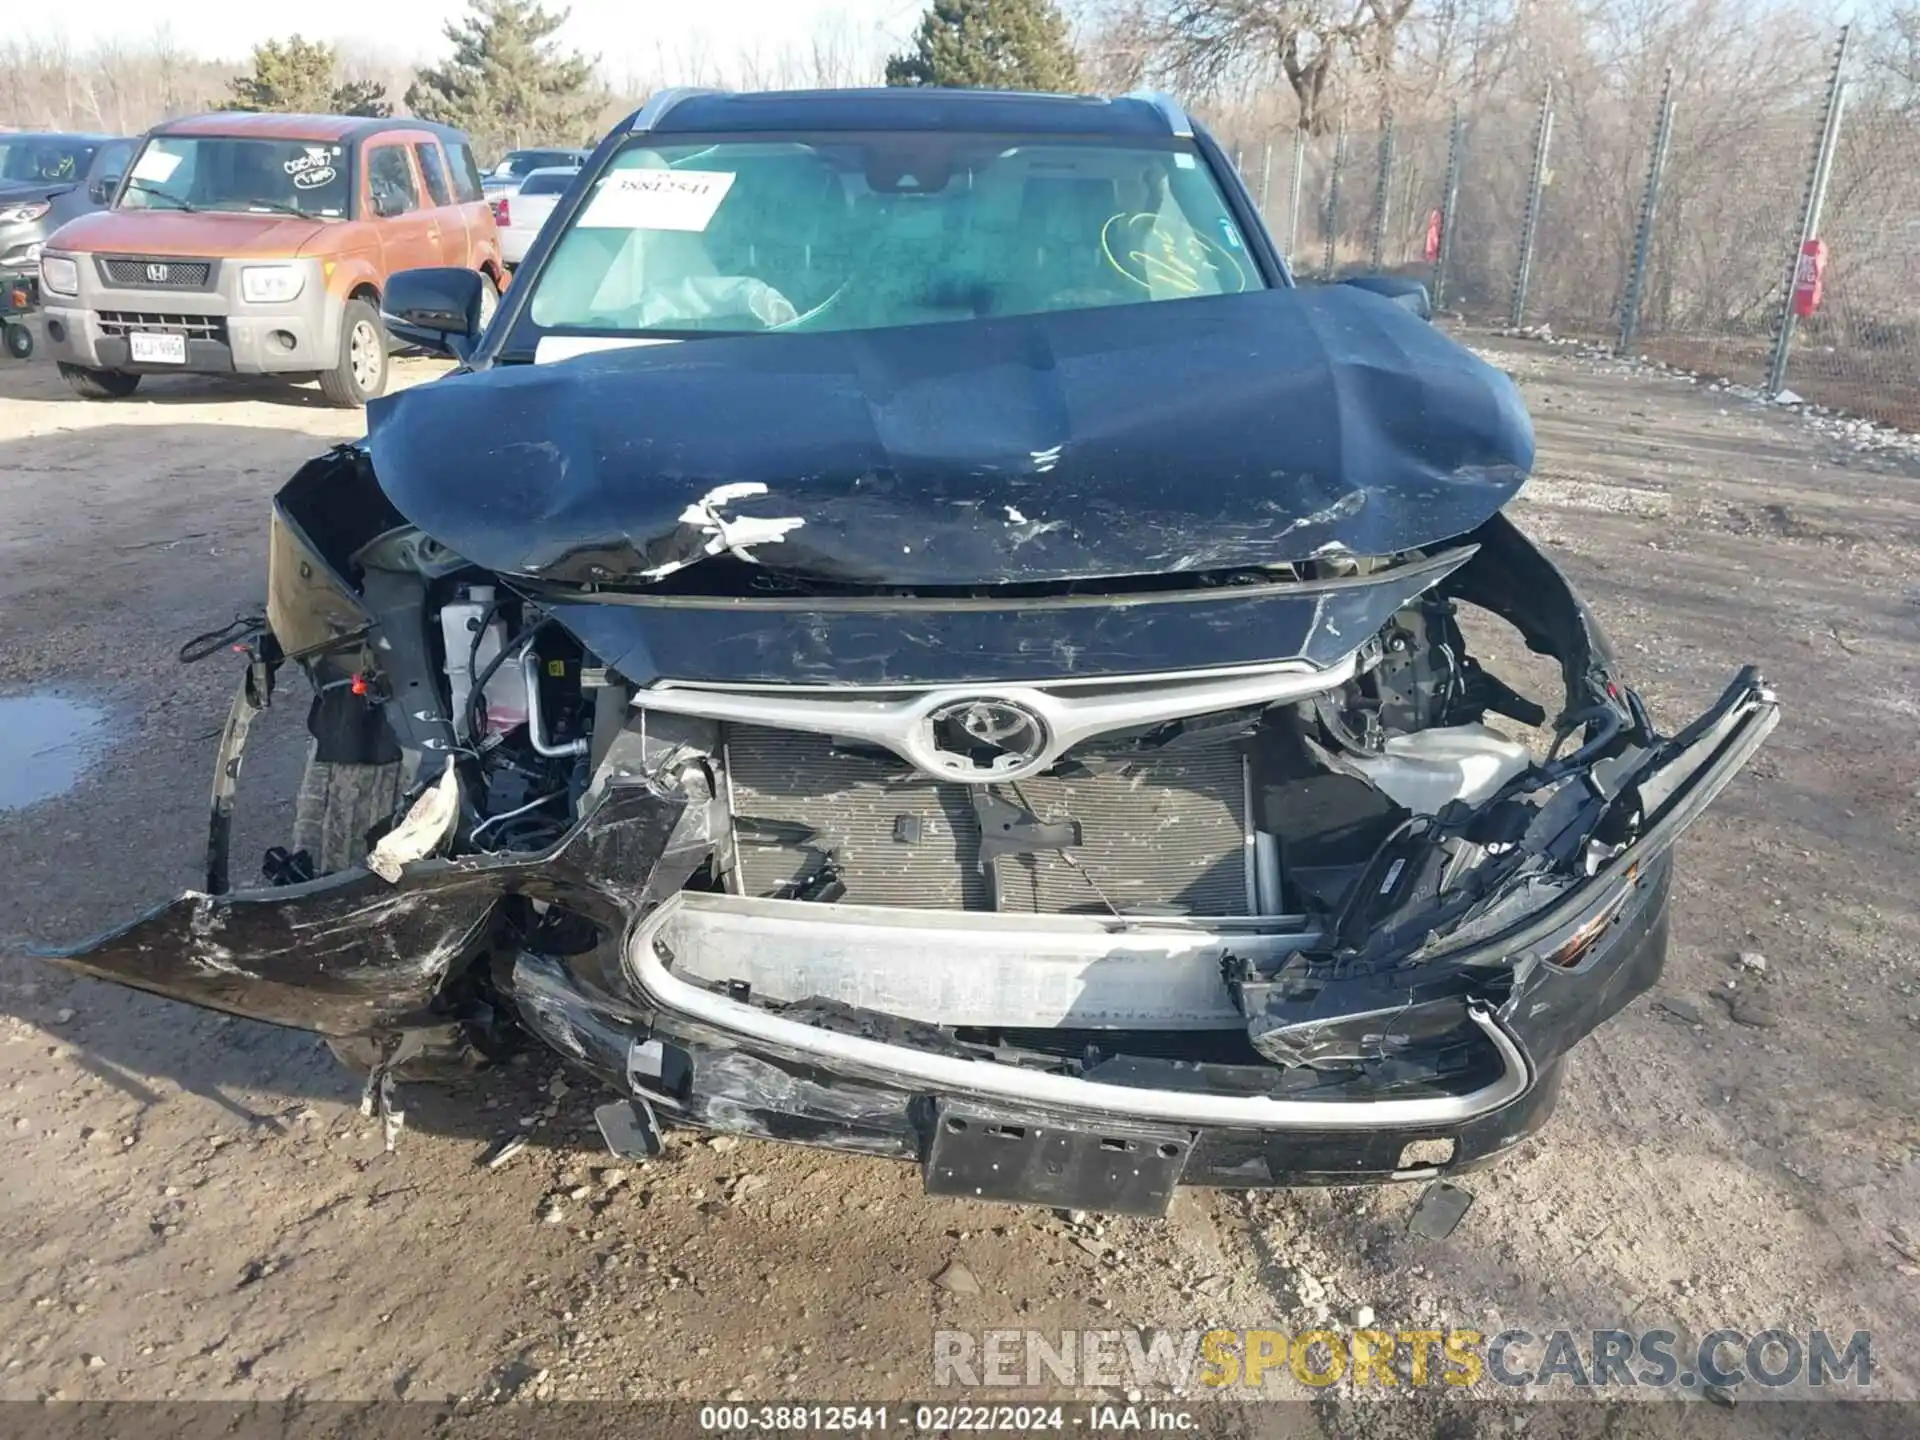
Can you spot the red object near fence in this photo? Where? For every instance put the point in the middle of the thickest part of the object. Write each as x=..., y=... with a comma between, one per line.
x=1809, y=276
x=1433, y=237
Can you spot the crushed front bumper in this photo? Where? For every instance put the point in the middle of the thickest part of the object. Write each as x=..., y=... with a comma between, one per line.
x=858, y=1079
x=642, y=995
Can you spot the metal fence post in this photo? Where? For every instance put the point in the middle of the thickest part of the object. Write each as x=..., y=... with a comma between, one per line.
x=1382, y=194
x=1332, y=217
x=1293, y=192
x=1816, y=202
x=1649, y=205
x=1266, y=176
x=1530, y=222
x=1449, y=204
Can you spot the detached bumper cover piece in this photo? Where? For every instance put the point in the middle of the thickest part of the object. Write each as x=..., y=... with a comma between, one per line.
x=351, y=954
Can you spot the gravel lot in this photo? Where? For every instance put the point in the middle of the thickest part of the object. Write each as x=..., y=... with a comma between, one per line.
x=193, y=1208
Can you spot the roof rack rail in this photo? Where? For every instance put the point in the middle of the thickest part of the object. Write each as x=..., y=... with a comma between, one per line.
x=1169, y=109
x=661, y=101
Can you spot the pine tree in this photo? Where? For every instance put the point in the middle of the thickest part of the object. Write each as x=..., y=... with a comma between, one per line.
x=991, y=44
x=361, y=97
x=296, y=77
x=507, y=83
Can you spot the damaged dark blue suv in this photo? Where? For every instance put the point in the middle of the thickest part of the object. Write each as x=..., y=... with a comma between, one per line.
x=910, y=632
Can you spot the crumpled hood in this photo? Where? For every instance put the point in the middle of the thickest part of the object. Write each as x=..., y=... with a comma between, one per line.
x=1178, y=436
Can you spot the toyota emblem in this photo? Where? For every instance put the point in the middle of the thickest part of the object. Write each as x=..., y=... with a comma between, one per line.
x=157, y=274
x=988, y=739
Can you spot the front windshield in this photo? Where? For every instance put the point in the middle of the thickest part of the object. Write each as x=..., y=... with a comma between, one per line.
x=219, y=172
x=852, y=232
x=39, y=157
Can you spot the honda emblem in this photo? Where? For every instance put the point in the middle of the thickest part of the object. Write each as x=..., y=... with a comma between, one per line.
x=157, y=274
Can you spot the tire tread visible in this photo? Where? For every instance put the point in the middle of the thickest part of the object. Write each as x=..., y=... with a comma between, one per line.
x=99, y=384
x=337, y=805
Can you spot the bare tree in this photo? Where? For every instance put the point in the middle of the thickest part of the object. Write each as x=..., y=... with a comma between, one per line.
x=116, y=86
x=1215, y=47
x=1893, y=53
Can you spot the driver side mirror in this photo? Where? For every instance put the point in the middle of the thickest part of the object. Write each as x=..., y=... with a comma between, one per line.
x=436, y=307
x=1408, y=293
x=101, y=191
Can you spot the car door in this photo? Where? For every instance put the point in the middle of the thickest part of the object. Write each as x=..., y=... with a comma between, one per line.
x=456, y=243
x=483, y=236
x=409, y=232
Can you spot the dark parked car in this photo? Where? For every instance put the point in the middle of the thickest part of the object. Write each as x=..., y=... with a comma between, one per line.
x=46, y=180
x=911, y=632
x=513, y=168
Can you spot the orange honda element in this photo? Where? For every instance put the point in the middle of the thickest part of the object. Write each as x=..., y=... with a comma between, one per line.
x=260, y=244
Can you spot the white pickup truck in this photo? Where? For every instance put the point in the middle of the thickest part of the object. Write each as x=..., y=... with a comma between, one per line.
x=521, y=214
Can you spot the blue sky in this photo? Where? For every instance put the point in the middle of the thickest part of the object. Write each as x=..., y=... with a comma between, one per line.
x=629, y=35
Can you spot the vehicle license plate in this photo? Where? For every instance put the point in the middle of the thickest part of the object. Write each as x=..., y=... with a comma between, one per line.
x=149, y=349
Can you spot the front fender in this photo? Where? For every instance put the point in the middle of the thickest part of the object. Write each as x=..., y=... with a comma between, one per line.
x=352, y=271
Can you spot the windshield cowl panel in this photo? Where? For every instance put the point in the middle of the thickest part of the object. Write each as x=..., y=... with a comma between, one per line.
x=840, y=231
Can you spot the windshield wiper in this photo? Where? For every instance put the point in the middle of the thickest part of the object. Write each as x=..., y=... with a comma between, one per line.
x=279, y=206
x=145, y=189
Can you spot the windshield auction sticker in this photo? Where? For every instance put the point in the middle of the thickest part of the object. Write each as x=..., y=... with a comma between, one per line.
x=313, y=170
x=155, y=165
x=657, y=200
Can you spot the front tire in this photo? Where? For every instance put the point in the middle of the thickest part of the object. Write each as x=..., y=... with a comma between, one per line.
x=337, y=805
x=19, y=341
x=99, y=384
x=361, y=374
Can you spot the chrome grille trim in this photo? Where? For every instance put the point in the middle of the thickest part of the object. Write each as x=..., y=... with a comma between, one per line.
x=901, y=721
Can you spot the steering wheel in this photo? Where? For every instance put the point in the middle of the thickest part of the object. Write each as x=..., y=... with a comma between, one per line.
x=805, y=318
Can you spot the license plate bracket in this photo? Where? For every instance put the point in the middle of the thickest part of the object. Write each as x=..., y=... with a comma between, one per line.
x=1119, y=1168
x=148, y=347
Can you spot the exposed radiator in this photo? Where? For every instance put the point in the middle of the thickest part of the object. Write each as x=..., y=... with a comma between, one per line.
x=1166, y=835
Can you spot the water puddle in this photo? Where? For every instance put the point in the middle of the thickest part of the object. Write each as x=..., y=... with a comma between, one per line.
x=46, y=745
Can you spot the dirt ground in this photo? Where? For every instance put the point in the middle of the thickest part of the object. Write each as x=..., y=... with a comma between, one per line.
x=193, y=1208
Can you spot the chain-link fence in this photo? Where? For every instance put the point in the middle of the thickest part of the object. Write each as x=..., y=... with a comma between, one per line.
x=1860, y=349
x=1770, y=236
